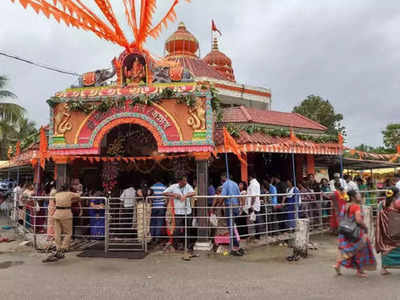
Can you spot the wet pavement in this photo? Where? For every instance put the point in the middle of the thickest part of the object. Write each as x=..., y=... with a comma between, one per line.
x=263, y=273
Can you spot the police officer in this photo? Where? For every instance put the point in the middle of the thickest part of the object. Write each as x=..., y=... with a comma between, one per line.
x=63, y=221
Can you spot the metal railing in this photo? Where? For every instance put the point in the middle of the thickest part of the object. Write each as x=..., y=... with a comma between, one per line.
x=134, y=224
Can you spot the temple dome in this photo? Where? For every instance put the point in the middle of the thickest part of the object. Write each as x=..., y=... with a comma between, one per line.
x=182, y=43
x=220, y=62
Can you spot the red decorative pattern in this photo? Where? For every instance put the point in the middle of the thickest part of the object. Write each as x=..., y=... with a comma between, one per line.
x=164, y=122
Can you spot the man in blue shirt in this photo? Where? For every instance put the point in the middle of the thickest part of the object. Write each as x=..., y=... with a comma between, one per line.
x=273, y=207
x=157, y=222
x=230, y=188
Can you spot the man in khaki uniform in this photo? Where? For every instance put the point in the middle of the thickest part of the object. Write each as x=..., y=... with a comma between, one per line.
x=63, y=221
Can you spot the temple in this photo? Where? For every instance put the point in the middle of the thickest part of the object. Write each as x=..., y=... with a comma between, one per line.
x=159, y=116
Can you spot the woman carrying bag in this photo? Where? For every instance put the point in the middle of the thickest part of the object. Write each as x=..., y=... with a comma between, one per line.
x=355, y=251
x=387, y=240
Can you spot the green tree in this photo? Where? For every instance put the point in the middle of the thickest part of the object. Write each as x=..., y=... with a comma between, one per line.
x=371, y=149
x=14, y=126
x=6, y=133
x=9, y=112
x=321, y=111
x=391, y=136
x=25, y=129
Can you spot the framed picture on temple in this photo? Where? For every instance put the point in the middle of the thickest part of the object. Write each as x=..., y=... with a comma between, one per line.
x=134, y=70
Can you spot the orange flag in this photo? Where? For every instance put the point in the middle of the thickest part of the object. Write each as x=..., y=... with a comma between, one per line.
x=230, y=144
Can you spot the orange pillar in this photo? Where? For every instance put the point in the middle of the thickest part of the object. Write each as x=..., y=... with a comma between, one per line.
x=310, y=164
x=244, y=174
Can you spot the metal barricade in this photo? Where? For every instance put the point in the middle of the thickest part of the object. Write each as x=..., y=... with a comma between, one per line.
x=126, y=228
x=88, y=217
x=131, y=224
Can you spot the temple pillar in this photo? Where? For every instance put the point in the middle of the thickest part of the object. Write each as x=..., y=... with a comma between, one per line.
x=37, y=174
x=310, y=164
x=61, y=169
x=202, y=243
x=244, y=173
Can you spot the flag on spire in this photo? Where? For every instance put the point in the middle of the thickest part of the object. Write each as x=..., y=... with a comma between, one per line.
x=214, y=28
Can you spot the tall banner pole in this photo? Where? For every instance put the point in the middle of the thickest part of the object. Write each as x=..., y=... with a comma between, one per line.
x=231, y=231
x=226, y=164
x=294, y=171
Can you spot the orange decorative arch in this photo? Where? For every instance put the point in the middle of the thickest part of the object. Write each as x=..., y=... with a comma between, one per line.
x=126, y=120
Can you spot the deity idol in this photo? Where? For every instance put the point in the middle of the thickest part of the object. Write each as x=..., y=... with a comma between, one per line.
x=136, y=73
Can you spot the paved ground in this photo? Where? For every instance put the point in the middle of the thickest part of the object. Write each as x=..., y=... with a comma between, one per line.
x=263, y=273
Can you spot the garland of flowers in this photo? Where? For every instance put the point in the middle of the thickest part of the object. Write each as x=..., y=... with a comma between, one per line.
x=235, y=130
x=109, y=175
x=216, y=104
x=146, y=99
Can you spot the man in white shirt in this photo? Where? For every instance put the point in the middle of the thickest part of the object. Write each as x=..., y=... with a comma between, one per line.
x=18, y=196
x=128, y=214
x=336, y=178
x=181, y=192
x=351, y=185
x=253, y=204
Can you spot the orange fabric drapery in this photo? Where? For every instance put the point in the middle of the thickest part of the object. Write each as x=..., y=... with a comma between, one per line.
x=230, y=144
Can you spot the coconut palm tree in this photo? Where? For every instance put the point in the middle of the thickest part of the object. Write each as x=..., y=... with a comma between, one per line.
x=25, y=128
x=24, y=131
x=9, y=112
x=6, y=133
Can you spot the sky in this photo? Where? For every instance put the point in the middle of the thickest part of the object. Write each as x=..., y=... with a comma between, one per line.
x=347, y=52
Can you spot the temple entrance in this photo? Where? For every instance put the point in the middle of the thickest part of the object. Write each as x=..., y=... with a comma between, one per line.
x=128, y=158
x=128, y=140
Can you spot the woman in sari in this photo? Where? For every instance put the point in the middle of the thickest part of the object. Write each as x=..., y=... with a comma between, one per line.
x=242, y=219
x=338, y=201
x=305, y=207
x=387, y=241
x=371, y=196
x=29, y=206
x=96, y=215
x=326, y=197
x=355, y=253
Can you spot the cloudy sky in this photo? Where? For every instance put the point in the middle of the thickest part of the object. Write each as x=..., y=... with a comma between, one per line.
x=344, y=51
